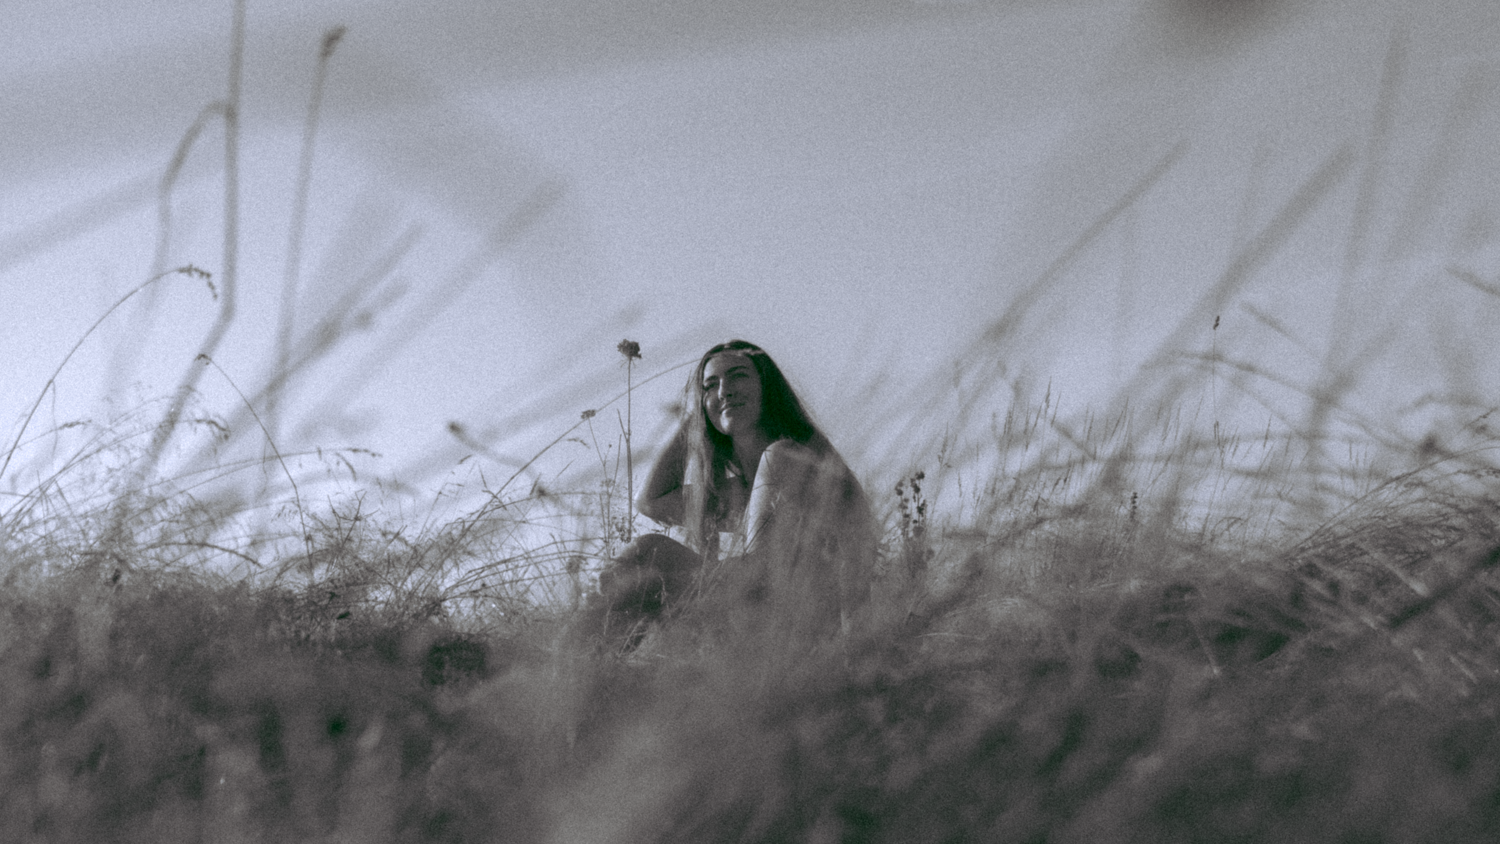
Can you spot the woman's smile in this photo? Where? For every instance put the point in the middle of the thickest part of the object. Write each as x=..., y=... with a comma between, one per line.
x=731, y=393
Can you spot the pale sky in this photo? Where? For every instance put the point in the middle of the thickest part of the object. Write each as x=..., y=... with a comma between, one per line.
x=879, y=193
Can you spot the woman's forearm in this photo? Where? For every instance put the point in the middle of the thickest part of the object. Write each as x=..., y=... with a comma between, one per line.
x=661, y=498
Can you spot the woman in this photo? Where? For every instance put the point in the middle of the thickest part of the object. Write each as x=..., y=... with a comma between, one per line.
x=771, y=511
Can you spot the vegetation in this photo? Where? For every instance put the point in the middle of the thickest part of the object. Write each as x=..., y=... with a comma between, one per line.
x=1113, y=629
x=1071, y=662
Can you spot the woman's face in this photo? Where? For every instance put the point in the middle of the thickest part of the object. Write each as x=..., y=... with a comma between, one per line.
x=731, y=393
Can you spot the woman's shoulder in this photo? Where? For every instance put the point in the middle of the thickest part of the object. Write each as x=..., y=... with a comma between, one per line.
x=787, y=457
x=790, y=453
x=815, y=475
x=787, y=447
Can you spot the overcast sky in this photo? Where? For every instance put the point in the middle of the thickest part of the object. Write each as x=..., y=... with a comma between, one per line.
x=910, y=204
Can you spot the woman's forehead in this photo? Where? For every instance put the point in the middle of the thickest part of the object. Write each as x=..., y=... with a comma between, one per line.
x=725, y=361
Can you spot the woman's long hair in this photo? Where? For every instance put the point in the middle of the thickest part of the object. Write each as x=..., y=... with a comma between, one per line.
x=711, y=452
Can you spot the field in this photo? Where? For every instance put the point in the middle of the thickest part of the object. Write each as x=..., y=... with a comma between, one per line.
x=1150, y=621
x=1225, y=640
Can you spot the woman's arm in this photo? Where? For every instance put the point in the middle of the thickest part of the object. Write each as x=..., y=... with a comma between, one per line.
x=661, y=498
x=783, y=479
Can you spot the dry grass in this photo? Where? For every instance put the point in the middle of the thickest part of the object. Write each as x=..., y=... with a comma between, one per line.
x=1065, y=665
x=1134, y=626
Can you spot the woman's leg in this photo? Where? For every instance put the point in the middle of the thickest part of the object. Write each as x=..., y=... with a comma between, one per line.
x=648, y=573
x=638, y=584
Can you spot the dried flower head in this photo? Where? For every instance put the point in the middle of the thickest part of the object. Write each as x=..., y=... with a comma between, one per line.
x=331, y=40
x=630, y=349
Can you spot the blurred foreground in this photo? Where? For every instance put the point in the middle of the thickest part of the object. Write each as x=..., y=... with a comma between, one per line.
x=1063, y=658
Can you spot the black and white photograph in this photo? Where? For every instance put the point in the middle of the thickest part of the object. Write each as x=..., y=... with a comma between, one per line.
x=826, y=421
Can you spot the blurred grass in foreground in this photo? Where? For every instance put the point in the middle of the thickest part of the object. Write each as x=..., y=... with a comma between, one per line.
x=1074, y=660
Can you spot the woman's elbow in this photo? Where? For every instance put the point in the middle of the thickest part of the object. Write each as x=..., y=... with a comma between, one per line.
x=646, y=506
x=660, y=509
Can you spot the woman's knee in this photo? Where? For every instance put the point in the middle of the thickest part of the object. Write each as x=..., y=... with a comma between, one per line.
x=657, y=551
x=648, y=546
x=618, y=580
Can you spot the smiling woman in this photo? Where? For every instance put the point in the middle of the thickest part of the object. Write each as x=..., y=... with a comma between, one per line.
x=746, y=464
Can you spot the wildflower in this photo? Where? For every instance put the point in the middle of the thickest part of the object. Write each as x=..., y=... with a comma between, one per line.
x=331, y=40
x=630, y=349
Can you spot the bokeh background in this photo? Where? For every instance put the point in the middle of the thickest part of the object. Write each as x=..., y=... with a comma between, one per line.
x=1267, y=212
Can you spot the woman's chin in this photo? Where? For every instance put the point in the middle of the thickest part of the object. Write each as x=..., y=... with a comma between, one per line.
x=732, y=425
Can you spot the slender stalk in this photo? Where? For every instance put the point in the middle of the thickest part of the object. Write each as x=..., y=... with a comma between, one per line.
x=297, y=229
x=228, y=274
x=52, y=381
x=296, y=493
x=230, y=271
x=497, y=500
x=631, y=350
x=144, y=321
x=629, y=458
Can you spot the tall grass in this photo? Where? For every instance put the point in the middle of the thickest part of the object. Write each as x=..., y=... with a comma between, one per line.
x=1122, y=625
x=1063, y=664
